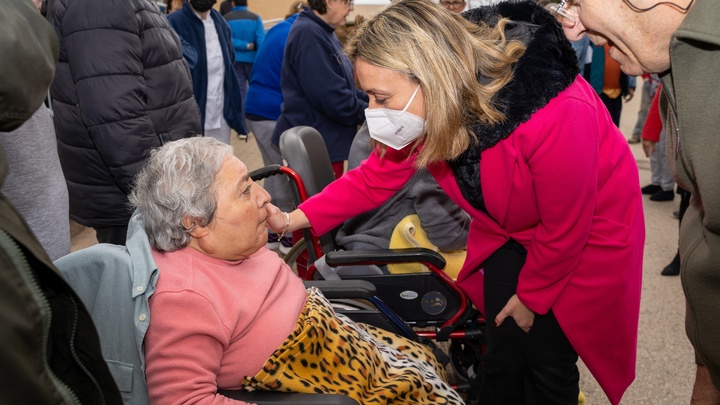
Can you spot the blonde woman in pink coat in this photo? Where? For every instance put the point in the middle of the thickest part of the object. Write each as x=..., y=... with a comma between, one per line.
x=495, y=110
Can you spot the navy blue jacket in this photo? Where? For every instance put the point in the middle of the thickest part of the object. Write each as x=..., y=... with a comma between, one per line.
x=264, y=95
x=191, y=30
x=318, y=86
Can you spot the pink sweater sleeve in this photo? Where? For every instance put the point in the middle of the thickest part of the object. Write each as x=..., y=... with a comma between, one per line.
x=359, y=190
x=184, y=349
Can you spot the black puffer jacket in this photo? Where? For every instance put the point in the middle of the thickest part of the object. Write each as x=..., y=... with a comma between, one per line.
x=121, y=89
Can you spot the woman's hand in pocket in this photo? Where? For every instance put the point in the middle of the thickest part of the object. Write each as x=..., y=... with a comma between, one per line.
x=515, y=309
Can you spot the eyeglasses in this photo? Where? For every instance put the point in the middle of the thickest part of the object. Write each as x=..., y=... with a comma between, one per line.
x=566, y=11
x=452, y=3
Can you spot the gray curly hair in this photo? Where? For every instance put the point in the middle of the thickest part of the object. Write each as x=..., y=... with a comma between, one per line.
x=175, y=183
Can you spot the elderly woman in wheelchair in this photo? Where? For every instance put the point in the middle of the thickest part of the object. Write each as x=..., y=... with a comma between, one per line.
x=227, y=313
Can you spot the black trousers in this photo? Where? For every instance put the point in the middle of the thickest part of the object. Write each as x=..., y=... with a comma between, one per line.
x=614, y=106
x=117, y=235
x=535, y=368
x=684, y=202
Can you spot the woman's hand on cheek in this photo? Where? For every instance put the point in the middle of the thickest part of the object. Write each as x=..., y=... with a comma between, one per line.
x=276, y=219
x=515, y=309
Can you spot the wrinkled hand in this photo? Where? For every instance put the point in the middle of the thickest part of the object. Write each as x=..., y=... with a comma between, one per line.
x=648, y=146
x=276, y=219
x=515, y=309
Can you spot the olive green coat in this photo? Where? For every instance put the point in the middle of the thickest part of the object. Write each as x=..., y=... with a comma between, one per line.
x=691, y=106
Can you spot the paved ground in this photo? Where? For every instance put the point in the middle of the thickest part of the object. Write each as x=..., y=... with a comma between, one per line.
x=665, y=364
x=665, y=368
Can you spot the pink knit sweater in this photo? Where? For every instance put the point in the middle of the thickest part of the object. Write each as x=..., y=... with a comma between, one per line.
x=214, y=322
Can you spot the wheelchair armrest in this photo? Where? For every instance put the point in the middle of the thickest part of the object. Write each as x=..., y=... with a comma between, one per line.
x=288, y=398
x=383, y=256
x=339, y=289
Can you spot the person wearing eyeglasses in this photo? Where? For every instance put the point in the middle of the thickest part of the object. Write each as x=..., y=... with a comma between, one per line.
x=680, y=40
x=454, y=5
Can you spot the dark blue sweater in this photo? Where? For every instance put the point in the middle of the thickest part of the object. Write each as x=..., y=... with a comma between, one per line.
x=264, y=96
x=318, y=86
x=191, y=30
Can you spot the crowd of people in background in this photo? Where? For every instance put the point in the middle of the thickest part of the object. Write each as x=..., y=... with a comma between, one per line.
x=480, y=123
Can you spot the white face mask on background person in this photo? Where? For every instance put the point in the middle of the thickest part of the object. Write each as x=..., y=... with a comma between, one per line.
x=396, y=129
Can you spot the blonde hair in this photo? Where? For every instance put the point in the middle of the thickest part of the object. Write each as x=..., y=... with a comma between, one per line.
x=295, y=8
x=460, y=66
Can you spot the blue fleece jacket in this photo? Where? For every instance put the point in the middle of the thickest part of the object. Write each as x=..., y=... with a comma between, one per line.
x=264, y=96
x=318, y=86
x=191, y=30
x=245, y=27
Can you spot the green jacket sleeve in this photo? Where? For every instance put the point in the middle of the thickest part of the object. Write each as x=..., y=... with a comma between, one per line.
x=29, y=50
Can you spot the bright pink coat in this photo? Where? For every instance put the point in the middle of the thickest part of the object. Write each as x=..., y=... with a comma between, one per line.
x=565, y=185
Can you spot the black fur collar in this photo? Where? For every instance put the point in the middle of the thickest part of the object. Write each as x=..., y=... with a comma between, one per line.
x=548, y=66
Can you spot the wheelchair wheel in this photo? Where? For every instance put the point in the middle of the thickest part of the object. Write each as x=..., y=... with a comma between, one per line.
x=466, y=358
x=295, y=251
x=349, y=305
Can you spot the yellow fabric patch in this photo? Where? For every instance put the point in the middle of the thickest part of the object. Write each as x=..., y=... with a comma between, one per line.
x=408, y=233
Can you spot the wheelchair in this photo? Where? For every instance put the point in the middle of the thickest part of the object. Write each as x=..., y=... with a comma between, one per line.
x=421, y=306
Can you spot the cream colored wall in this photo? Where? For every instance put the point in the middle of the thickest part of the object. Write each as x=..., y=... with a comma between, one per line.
x=364, y=10
x=270, y=9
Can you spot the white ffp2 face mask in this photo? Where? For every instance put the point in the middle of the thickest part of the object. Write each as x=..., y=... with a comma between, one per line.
x=396, y=129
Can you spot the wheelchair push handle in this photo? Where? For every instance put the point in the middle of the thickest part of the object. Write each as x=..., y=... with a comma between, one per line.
x=273, y=170
x=265, y=172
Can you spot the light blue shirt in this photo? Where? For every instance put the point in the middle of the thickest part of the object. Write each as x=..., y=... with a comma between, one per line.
x=115, y=284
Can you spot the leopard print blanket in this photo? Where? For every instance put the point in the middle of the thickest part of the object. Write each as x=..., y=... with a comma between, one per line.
x=329, y=353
